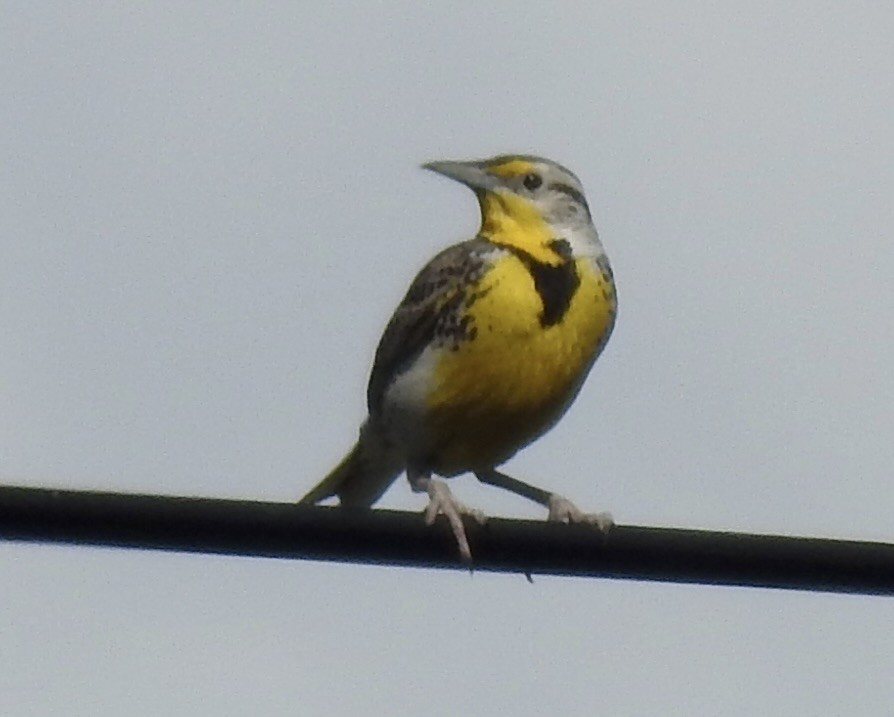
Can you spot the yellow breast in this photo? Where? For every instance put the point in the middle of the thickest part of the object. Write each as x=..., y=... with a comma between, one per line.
x=497, y=392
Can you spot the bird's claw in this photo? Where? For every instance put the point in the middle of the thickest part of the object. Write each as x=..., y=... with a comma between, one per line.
x=562, y=510
x=442, y=502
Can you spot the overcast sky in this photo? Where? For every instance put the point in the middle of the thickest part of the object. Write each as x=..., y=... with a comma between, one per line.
x=209, y=211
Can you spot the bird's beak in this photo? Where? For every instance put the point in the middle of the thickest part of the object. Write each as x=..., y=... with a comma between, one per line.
x=472, y=174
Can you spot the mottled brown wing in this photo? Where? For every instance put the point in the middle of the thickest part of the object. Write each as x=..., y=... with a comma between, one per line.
x=435, y=297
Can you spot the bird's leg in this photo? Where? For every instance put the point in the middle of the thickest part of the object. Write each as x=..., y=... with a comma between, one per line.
x=561, y=509
x=442, y=502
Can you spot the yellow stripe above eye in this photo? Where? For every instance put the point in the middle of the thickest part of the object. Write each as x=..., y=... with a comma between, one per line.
x=511, y=168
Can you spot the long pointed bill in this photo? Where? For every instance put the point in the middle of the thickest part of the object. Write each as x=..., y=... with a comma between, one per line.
x=469, y=173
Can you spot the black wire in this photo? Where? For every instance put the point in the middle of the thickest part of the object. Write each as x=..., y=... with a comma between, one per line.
x=384, y=537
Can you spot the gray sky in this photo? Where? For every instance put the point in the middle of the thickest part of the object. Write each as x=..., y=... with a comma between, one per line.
x=208, y=213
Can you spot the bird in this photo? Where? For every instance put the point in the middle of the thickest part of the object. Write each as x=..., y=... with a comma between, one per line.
x=488, y=348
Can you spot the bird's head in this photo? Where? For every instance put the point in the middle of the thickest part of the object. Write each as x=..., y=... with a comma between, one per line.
x=527, y=202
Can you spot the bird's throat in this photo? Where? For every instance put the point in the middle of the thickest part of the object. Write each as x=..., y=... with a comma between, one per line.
x=512, y=221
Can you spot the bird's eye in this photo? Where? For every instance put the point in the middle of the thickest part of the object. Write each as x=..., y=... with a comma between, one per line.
x=532, y=181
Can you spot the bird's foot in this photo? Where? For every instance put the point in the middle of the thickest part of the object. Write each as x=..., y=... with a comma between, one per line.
x=562, y=510
x=442, y=502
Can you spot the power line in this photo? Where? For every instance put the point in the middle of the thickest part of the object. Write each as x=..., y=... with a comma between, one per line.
x=385, y=537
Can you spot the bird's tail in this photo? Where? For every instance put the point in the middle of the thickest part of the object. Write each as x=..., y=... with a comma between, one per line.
x=363, y=475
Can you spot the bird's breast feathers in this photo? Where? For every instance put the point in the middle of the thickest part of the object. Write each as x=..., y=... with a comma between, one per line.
x=487, y=351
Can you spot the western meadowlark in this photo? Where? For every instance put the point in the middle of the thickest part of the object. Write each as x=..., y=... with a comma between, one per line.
x=488, y=348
